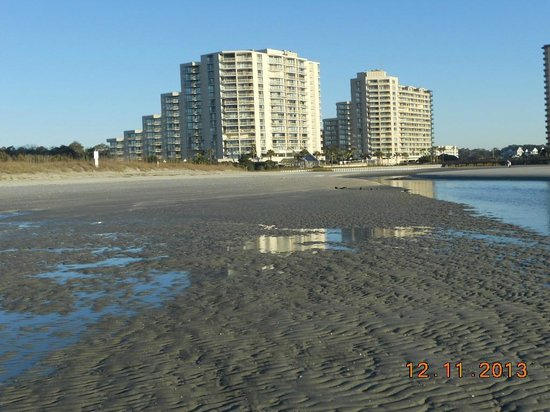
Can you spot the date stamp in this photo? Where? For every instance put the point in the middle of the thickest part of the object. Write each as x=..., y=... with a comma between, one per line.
x=485, y=370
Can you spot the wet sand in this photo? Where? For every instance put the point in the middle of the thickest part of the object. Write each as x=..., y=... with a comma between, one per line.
x=330, y=326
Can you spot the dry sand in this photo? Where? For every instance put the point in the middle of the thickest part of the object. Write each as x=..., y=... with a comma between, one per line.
x=311, y=330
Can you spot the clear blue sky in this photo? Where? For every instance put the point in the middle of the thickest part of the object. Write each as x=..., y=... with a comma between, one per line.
x=87, y=70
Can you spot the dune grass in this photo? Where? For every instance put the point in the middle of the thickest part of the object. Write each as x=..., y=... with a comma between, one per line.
x=34, y=166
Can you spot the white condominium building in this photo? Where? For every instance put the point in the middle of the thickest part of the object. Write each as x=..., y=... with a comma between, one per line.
x=390, y=118
x=250, y=102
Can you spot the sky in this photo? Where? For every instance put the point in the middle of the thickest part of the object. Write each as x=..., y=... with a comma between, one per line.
x=87, y=70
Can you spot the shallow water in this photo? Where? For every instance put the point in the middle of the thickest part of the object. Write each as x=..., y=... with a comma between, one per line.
x=299, y=240
x=521, y=203
x=27, y=338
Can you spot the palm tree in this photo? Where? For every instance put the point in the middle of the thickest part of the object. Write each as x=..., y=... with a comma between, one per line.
x=270, y=153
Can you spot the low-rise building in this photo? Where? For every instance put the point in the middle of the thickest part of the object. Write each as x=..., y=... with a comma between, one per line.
x=133, y=145
x=116, y=148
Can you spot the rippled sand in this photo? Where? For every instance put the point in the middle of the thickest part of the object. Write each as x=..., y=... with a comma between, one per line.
x=306, y=292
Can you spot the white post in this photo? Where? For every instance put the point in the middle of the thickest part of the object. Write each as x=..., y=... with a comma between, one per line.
x=96, y=158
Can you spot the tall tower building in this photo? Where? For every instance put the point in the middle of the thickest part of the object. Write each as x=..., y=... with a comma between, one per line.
x=170, y=126
x=190, y=110
x=546, y=49
x=390, y=118
x=250, y=102
x=330, y=133
x=343, y=114
x=337, y=130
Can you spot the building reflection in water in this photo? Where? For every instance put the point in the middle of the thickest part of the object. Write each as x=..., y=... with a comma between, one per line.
x=420, y=187
x=328, y=239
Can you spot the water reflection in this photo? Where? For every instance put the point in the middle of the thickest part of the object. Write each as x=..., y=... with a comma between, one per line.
x=28, y=337
x=328, y=239
x=519, y=202
x=420, y=187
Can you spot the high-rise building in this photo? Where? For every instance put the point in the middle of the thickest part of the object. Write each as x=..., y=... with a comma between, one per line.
x=343, y=114
x=390, y=119
x=190, y=110
x=250, y=102
x=546, y=49
x=330, y=133
x=152, y=137
x=170, y=126
x=337, y=130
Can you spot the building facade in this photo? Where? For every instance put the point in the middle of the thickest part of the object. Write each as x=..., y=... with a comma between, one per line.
x=133, y=145
x=190, y=110
x=116, y=148
x=330, y=133
x=249, y=102
x=152, y=136
x=447, y=150
x=170, y=126
x=546, y=49
x=343, y=114
x=337, y=131
x=389, y=119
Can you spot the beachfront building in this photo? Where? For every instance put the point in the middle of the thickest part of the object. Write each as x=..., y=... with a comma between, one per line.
x=389, y=119
x=170, y=126
x=343, y=114
x=330, y=133
x=546, y=49
x=248, y=102
x=152, y=137
x=133, y=145
x=337, y=130
x=447, y=150
x=190, y=109
x=116, y=148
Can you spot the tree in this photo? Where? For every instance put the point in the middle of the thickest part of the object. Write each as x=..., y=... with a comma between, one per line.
x=78, y=151
x=270, y=153
x=246, y=162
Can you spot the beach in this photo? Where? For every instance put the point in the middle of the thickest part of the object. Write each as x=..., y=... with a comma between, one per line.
x=284, y=291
